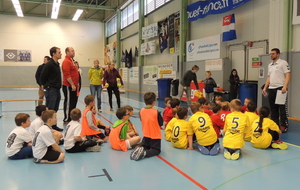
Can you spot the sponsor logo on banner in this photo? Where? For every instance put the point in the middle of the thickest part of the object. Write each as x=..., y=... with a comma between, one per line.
x=201, y=9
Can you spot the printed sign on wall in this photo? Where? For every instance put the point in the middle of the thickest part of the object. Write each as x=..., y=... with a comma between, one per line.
x=148, y=48
x=214, y=65
x=134, y=75
x=149, y=31
x=203, y=49
x=166, y=71
x=124, y=74
x=150, y=74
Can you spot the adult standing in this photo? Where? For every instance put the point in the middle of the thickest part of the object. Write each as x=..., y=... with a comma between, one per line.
x=70, y=83
x=110, y=77
x=278, y=79
x=95, y=76
x=37, y=78
x=188, y=77
x=51, y=80
x=234, y=80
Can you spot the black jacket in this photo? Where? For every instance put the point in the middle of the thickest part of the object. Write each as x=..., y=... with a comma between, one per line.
x=51, y=75
x=188, y=77
x=38, y=74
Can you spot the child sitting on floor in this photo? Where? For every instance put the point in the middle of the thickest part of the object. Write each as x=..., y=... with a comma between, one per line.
x=265, y=132
x=119, y=137
x=18, y=144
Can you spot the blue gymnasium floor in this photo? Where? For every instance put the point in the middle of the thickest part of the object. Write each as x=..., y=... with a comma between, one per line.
x=173, y=169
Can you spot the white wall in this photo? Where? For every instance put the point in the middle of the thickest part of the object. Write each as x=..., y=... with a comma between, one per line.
x=40, y=34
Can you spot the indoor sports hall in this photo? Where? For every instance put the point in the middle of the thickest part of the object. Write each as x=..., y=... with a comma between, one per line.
x=152, y=45
x=172, y=169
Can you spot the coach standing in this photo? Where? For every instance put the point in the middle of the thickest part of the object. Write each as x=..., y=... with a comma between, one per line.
x=70, y=83
x=279, y=76
x=51, y=80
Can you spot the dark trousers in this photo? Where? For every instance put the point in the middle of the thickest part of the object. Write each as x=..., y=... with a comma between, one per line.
x=80, y=146
x=70, y=101
x=151, y=146
x=52, y=96
x=233, y=92
x=279, y=113
x=110, y=89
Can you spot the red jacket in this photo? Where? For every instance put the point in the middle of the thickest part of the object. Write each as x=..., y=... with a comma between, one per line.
x=70, y=70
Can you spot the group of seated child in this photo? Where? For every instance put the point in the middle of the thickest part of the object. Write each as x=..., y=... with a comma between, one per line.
x=42, y=142
x=225, y=120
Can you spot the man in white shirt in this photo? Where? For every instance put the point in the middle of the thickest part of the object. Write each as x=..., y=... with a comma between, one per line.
x=278, y=79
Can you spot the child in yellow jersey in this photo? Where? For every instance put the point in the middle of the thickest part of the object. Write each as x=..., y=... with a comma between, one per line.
x=179, y=135
x=169, y=127
x=201, y=125
x=265, y=131
x=236, y=125
x=251, y=107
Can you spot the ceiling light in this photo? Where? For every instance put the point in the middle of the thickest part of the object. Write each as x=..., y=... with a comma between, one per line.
x=77, y=14
x=55, y=9
x=18, y=9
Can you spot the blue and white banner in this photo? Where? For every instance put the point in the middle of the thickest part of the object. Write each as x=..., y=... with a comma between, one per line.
x=228, y=28
x=204, y=48
x=201, y=9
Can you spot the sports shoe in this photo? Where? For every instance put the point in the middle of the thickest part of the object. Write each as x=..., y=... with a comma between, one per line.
x=111, y=109
x=203, y=150
x=56, y=128
x=99, y=142
x=283, y=129
x=107, y=132
x=236, y=155
x=138, y=153
x=99, y=110
x=95, y=148
x=215, y=149
x=36, y=160
x=279, y=144
x=227, y=154
x=61, y=142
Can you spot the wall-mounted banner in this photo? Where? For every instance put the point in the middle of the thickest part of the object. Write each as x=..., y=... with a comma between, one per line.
x=214, y=65
x=150, y=74
x=148, y=48
x=204, y=48
x=149, y=31
x=163, y=34
x=134, y=75
x=12, y=55
x=124, y=74
x=166, y=71
x=110, y=53
x=173, y=31
x=201, y=9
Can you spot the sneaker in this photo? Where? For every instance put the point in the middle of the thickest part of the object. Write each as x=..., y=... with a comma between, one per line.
x=95, y=148
x=56, y=128
x=283, y=129
x=99, y=110
x=279, y=144
x=215, y=149
x=111, y=109
x=36, y=160
x=99, y=142
x=137, y=153
x=61, y=142
x=203, y=150
x=227, y=154
x=236, y=155
x=107, y=132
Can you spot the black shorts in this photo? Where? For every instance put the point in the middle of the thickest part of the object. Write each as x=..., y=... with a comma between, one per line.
x=51, y=155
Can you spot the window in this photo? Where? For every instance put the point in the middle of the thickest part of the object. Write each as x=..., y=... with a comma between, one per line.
x=130, y=14
x=111, y=26
x=151, y=5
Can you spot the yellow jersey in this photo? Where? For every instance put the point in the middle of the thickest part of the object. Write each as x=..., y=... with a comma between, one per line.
x=236, y=125
x=179, y=136
x=252, y=117
x=201, y=124
x=264, y=139
x=168, y=129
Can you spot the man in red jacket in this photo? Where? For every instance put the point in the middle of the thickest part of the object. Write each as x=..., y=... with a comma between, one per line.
x=70, y=83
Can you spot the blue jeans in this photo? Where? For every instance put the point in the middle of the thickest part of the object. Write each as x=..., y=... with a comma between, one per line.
x=96, y=89
x=23, y=153
x=52, y=96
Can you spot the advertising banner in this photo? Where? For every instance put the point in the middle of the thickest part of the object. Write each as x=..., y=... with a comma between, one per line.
x=148, y=48
x=149, y=31
x=150, y=74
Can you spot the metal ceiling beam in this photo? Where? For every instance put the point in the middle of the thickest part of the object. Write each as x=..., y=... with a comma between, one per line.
x=70, y=4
